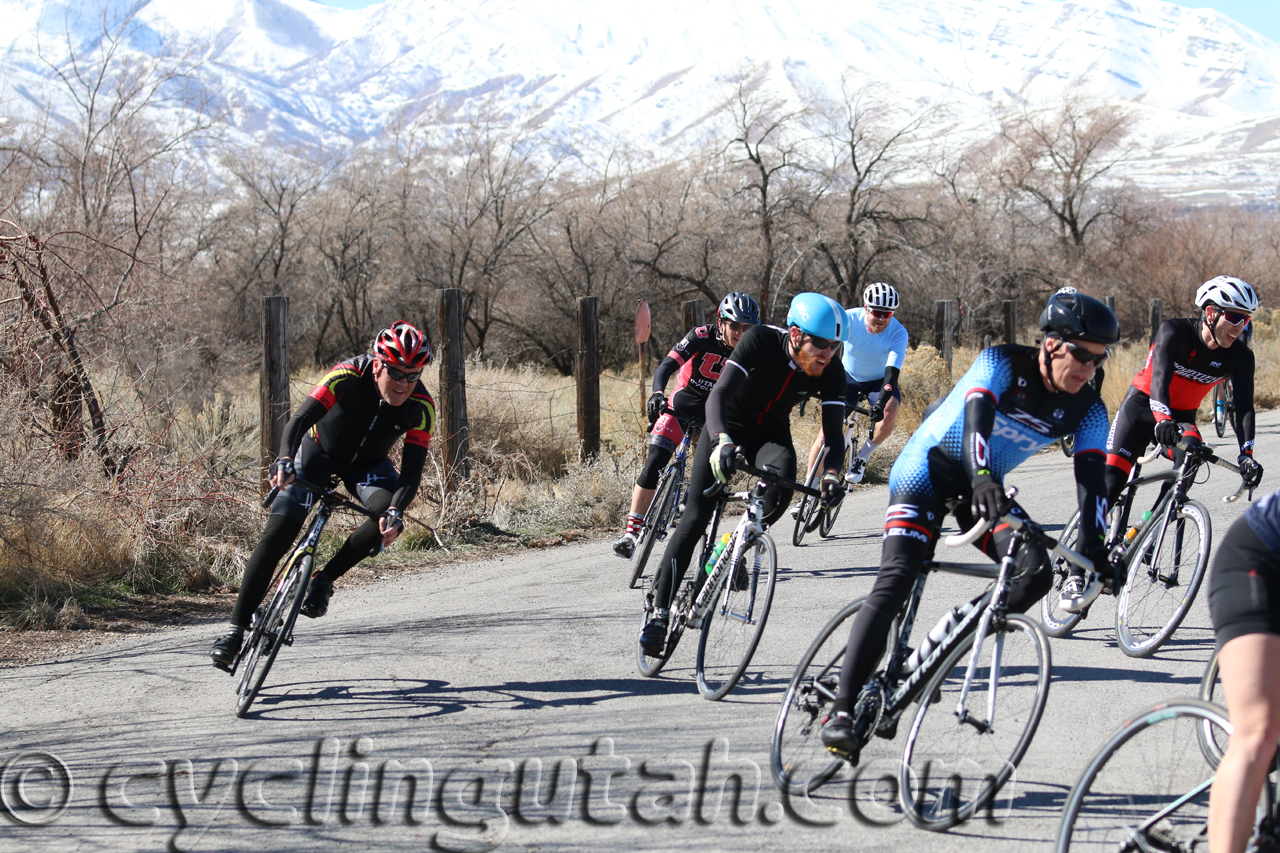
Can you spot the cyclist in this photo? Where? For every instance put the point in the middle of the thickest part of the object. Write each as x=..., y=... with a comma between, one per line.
x=770, y=371
x=1013, y=401
x=1187, y=358
x=696, y=362
x=1243, y=589
x=872, y=361
x=345, y=430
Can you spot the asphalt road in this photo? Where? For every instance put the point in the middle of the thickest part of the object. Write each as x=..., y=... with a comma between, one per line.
x=463, y=682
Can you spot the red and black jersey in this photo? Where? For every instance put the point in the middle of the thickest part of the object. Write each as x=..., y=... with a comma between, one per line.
x=1181, y=368
x=696, y=361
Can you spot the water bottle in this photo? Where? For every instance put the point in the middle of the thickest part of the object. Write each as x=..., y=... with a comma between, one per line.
x=1133, y=531
x=945, y=625
x=716, y=552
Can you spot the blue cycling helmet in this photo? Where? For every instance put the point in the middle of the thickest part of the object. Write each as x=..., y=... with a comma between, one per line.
x=819, y=316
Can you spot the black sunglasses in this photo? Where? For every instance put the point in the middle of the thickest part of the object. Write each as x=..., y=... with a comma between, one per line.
x=399, y=375
x=821, y=343
x=1084, y=356
x=734, y=327
x=1235, y=318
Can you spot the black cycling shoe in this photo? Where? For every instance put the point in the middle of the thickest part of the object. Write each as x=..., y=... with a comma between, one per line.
x=316, y=604
x=653, y=638
x=226, y=648
x=839, y=738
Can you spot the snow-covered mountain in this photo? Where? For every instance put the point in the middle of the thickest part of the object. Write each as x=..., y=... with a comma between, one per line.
x=1208, y=88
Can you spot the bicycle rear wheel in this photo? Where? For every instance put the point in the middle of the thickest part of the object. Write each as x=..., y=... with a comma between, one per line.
x=1220, y=419
x=1058, y=622
x=271, y=630
x=731, y=629
x=1162, y=584
x=1213, y=741
x=829, y=514
x=1148, y=786
x=660, y=517
x=651, y=666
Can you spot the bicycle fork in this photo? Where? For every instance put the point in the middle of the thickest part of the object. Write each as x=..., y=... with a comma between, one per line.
x=998, y=601
x=728, y=561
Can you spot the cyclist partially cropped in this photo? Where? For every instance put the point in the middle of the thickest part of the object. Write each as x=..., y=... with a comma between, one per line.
x=749, y=410
x=1189, y=356
x=872, y=360
x=696, y=362
x=1013, y=401
x=1244, y=588
x=344, y=431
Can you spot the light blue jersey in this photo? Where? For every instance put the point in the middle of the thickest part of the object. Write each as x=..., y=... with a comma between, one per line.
x=867, y=355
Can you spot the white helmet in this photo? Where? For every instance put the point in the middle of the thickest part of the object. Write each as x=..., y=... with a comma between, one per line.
x=881, y=296
x=1229, y=293
x=1067, y=289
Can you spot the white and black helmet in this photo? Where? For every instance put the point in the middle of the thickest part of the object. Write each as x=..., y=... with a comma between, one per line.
x=1231, y=294
x=881, y=296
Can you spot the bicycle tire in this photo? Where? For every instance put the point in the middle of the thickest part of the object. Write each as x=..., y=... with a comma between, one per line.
x=978, y=762
x=829, y=514
x=648, y=666
x=732, y=628
x=1068, y=444
x=1220, y=419
x=269, y=632
x=808, y=506
x=1056, y=621
x=799, y=762
x=660, y=517
x=1148, y=764
x=1212, y=741
x=1154, y=601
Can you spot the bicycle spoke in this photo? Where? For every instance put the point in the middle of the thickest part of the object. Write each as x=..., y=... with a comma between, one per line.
x=732, y=629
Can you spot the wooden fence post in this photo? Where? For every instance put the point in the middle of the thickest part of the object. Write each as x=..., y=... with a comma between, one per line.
x=1010, y=321
x=692, y=313
x=455, y=435
x=1157, y=316
x=943, y=329
x=273, y=384
x=588, y=375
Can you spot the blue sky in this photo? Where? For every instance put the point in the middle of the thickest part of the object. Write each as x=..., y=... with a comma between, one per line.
x=1262, y=16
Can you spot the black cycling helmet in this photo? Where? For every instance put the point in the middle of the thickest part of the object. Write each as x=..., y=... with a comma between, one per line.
x=740, y=308
x=1077, y=317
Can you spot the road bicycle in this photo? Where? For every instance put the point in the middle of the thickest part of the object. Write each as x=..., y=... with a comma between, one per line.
x=1224, y=408
x=730, y=604
x=272, y=625
x=986, y=666
x=1157, y=564
x=1147, y=788
x=810, y=515
x=668, y=499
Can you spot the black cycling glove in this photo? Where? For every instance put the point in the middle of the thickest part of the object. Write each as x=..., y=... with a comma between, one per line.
x=653, y=408
x=1168, y=432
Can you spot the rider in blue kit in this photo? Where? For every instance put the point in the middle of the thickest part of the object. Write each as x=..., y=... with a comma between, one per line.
x=1013, y=401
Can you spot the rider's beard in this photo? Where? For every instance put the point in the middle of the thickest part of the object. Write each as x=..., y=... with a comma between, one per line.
x=809, y=363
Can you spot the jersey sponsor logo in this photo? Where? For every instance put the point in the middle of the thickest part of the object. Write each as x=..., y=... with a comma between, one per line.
x=1194, y=375
x=711, y=366
x=1009, y=431
x=907, y=531
x=1022, y=382
x=1027, y=419
x=702, y=331
x=1215, y=364
x=1058, y=414
x=1160, y=408
x=1247, y=447
x=982, y=451
x=900, y=512
x=1100, y=514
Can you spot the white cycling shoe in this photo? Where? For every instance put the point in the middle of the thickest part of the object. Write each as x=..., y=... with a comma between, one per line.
x=1079, y=592
x=857, y=470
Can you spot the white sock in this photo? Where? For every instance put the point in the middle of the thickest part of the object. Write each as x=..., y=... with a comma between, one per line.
x=868, y=448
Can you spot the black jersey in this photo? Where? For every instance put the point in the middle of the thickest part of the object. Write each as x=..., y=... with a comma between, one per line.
x=697, y=361
x=1181, y=368
x=774, y=383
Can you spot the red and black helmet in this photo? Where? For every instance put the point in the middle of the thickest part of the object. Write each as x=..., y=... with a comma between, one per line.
x=402, y=346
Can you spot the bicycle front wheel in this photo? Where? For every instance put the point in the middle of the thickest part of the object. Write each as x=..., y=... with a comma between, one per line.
x=1166, y=567
x=1148, y=786
x=799, y=761
x=272, y=629
x=951, y=767
x=1058, y=622
x=1213, y=741
x=1220, y=419
x=829, y=514
x=731, y=629
x=659, y=518
x=806, y=517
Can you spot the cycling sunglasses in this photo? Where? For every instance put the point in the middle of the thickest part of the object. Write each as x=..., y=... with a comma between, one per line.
x=399, y=375
x=1235, y=318
x=878, y=314
x=734, y=327
x=821, y=343
x=1084, y=356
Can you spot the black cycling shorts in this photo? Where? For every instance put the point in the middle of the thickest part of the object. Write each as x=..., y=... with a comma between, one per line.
x=1244, y=585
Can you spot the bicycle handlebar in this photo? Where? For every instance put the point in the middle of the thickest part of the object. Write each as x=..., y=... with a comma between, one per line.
x=741, y=463
x=319, y=491
x=1033, y=532
x=1206, y=455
